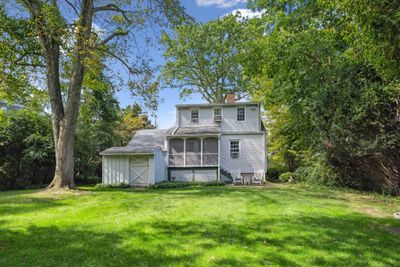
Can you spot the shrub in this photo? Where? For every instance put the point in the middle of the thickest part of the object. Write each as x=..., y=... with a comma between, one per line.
x=181, y=184
x=119, y=185
x=286, y=177
x=275, y=172
x=82, y=180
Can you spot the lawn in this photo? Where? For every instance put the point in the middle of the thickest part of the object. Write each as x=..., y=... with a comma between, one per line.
x=201, y=226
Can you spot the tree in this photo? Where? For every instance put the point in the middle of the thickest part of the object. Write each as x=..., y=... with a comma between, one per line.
x=131, y=121
x=60, y=37
x=207, y=58
x=333, y=69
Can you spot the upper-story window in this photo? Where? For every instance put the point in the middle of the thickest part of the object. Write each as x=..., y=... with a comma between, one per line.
x=234, y=148
x=194, y=116
x=241, y=115
x=217, y=115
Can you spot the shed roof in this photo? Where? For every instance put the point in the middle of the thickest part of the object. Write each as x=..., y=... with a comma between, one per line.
x=143, y=142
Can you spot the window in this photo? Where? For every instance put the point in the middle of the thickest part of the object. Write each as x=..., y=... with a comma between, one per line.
x=194, y=117
x=241, y=114
x=234, y=149
x=217, y=114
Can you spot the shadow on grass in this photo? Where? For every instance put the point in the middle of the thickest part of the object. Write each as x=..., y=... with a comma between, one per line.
x=350, y=240
x=28, y=204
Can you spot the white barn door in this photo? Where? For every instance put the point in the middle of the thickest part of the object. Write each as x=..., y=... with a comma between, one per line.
x=139, y=170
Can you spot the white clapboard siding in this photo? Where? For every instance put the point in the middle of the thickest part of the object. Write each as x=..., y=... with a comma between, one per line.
x=160, y=167
x=229, y=119
x=251, y=155
x=115, y=169
x=205, y=116
x=135, y=170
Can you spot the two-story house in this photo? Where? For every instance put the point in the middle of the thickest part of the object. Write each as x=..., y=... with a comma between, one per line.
x=208, y=142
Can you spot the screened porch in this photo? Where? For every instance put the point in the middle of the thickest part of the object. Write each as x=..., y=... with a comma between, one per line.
x=193, y=151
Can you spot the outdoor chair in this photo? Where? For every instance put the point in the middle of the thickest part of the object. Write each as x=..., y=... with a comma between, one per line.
x=258, y=177
x=237, y=178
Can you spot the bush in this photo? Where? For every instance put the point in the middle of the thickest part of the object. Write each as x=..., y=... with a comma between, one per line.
x=26, y=149
x=316, y=172
x=82, y=180
x=275, y=172
x=180, y=184
x=120, y=185
x=286, y=177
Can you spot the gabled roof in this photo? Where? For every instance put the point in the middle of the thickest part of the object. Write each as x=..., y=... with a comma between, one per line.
x=145, y=141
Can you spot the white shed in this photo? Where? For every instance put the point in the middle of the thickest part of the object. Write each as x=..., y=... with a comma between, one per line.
x=140, y=163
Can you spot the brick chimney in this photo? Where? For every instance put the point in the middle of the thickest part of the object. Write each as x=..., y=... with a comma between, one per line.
x=230, y=98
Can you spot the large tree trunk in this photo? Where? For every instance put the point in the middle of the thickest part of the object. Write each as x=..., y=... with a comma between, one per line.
x=63, y=118
x=64, y=150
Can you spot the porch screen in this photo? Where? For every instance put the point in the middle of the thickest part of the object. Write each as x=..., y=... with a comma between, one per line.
x=176, y=152
x=193, y=151
x=210, y=151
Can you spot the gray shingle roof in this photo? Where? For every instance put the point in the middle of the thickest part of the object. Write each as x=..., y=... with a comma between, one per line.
x=196, y=130
x=144, y=141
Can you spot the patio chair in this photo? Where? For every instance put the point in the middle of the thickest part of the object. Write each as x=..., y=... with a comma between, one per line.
x=258, y=177
x=237, y=177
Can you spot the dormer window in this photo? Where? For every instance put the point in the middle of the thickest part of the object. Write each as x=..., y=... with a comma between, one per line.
x=217, y=115
x=194, y=116
x=241, y=116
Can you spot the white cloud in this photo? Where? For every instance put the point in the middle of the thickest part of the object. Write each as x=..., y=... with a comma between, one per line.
x=246, y=13
x=220, y=3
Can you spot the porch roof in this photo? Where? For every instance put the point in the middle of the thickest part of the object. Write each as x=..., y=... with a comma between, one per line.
x=203, y=130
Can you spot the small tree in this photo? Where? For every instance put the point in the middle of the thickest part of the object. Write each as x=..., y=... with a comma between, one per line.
x=207, y=58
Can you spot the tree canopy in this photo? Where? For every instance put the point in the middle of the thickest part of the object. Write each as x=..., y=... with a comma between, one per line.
x=207, y=58
x=330, y=72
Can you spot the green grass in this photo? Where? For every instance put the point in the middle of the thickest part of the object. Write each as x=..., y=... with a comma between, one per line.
x=203, y=226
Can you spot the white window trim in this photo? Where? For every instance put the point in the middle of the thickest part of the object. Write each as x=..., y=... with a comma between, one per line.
x=198, y=116
x=239, y=147
x=220, y=108
x=244, y=110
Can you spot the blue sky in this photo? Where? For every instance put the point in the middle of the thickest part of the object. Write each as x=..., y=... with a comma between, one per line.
x=202, y=11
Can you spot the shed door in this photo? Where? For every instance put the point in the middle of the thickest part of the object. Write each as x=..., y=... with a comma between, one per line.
x=139, y=170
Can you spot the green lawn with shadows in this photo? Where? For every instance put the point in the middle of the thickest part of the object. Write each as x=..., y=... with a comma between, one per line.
x=198, y=226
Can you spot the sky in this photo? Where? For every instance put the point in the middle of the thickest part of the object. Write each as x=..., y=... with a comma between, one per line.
x=202, y=11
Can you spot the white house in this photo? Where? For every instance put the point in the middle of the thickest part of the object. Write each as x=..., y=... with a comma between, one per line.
x=208, y=142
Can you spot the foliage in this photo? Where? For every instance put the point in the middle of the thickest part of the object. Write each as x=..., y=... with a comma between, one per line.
x=131, y=121
x=103, y=186
x=198, y=226
x=275, y=172
x=181, y=184
x=58, y=46
x=330, y=72
x=98, y=118
x=26, y=146
x=207, y=58
x=286, y=177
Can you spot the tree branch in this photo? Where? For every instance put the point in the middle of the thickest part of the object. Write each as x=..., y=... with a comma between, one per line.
x=130, y=69
x=111, y=36
x=73, y=7
x=115, y=8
